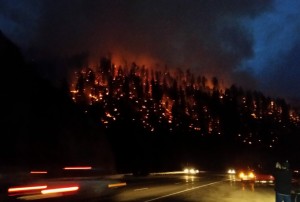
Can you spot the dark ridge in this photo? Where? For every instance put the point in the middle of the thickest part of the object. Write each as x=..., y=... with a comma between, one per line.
x=41, y=126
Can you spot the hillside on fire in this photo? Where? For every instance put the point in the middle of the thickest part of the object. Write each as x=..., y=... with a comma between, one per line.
x=137, y=119
x=162, y=119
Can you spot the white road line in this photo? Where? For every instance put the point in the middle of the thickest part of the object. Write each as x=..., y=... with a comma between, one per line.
x=179, y=192
x=141, y=189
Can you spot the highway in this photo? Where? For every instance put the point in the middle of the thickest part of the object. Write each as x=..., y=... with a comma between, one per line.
x=206, y=187
x=174, y=186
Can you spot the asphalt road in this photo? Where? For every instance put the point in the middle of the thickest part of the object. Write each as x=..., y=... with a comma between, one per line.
x=201, y=187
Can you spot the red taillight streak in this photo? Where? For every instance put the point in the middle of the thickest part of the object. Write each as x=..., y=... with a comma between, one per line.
x=78, y=168
x=29, y=188
x=38, y=172
x=59, y=190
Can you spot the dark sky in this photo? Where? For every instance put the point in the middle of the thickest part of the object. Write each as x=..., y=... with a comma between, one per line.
x=251, y=43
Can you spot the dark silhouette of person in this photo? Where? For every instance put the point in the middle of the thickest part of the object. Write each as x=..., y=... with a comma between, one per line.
x=283, y=182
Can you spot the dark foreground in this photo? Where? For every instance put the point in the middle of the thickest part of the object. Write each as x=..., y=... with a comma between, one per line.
x=204, y=186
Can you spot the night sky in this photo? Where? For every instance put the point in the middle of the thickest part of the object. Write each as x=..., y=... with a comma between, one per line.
x=250, y=43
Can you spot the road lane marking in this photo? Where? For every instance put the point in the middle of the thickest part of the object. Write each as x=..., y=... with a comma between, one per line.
x=141, y=189
x=179, y=192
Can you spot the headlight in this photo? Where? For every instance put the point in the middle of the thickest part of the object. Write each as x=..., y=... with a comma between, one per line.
x=248, y=176
x=251, y=175
x=190, y=171
x=231, y=171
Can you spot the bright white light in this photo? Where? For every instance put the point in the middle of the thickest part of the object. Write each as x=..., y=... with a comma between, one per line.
x=190, y=171
x=231, y=171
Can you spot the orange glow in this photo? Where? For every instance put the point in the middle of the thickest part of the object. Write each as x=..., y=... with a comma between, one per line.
x=38, y=172
x=78, y=168
x=117, y=185
x=17, y=189
x=59, y=190
x=140, y=59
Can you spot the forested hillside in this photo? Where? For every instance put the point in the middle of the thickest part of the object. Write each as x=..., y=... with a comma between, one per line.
x=160, y=117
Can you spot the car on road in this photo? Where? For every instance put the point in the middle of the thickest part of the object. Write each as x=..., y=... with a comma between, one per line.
x=246, y=175
x=262, y=177
x=257, y=176
x=231, y=171
x=190, y=170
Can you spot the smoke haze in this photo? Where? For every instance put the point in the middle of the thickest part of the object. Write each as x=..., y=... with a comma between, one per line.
x=211, y=37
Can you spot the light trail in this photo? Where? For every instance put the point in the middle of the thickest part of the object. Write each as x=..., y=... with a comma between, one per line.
x=29, y=188
x=78, y=168
x=59, y=190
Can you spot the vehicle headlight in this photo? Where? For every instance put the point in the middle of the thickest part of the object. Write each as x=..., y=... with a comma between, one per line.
x=251, y=175
x=231, y=171
x=190, y=171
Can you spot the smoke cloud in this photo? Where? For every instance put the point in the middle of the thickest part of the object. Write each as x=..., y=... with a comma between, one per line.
x=210, y=37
